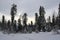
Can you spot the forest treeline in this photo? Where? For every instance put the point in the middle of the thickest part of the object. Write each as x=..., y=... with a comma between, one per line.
x=39, y=25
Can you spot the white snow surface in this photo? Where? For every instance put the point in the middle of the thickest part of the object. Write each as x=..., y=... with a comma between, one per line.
x=32, y=36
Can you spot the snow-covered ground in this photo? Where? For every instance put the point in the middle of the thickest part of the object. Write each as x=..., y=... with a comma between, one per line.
x=32, y=36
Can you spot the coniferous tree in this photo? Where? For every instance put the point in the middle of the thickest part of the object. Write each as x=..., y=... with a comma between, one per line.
x=49, y=20
x=57, y=20
x=3, y=22
x=0, y=25
x=8, y=24
x=36, y=21
x=49, y=24
x=31, y=23
x=59, y=16
x=31, y=26
x=41, y=19
x=24, y=22
x=53, y=21
x=59, y=11
x=19, y=25
x=13, y=12
x=36, y=18
x=56, y=26
x=25, y=19
x=15, y=26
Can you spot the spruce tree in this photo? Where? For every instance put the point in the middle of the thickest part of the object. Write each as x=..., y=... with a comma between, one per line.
x=15, y=26
x=3, y=22
x=41, y=19
x=31, y=26
x=49, y=24
x=36, y=18
x=59, y=16
x=9, y=26
x=53, y=21
x=19, y=25
x=13, y=12
x=36, y=21
x=24, y=17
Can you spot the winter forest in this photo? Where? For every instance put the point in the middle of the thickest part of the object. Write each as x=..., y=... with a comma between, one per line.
x=40, y=24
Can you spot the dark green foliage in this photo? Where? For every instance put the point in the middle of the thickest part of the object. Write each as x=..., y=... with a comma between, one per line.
x=41, y=19
x=41, y=11
x=19, y=25
x=31, y=26
x=3, y=22
x=59, y=16
x=15, y=26
x=48, y=25
x=36, y=21
x=13, y=12
x=36, y=18
x=9, y=25
x=25, y=19
x=53, y=21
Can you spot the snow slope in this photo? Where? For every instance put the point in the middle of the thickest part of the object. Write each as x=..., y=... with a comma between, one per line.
x=32, y=36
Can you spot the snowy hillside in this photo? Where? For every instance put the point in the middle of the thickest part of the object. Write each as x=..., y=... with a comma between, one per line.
x=32, y=36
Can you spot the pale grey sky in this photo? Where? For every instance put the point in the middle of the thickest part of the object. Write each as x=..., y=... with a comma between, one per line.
x=28, y=6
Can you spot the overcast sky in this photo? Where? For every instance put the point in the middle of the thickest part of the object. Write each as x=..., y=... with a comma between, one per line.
x=28, y=6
